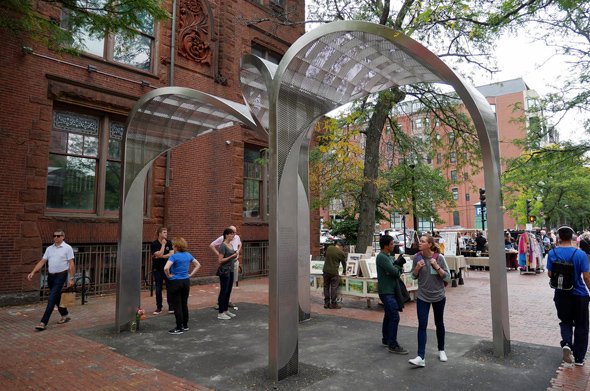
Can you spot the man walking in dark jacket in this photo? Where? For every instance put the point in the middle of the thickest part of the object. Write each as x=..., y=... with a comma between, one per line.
x=334, y=257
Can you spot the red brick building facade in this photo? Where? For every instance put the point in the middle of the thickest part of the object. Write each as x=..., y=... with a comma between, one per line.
x=68, y=111
x=512, y=101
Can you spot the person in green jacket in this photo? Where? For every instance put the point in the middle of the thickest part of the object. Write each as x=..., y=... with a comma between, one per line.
x=334, y=257
x=388, y=276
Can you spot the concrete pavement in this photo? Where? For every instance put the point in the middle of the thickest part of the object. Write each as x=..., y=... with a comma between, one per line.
x=339, y=349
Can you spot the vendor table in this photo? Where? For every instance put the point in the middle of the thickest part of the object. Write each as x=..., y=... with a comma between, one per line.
x=364, y=288
x=484, y=262
x=478, y=262
x=456, y=265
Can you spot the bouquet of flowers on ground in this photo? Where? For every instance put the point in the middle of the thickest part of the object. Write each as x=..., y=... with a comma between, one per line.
x=140, y=314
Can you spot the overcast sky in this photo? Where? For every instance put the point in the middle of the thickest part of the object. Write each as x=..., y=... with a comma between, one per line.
x=540, y=68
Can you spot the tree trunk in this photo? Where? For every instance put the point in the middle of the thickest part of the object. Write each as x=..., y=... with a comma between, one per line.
x=368, y=199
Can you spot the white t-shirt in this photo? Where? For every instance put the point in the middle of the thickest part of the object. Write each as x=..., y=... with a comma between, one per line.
x=58, y=257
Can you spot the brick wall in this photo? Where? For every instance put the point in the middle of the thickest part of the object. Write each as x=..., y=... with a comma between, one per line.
x=206, y=177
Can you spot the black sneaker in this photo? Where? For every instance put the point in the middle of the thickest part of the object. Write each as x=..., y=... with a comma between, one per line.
x=397, y=350
x=384, y=342
x=175, y=331
x=326, y=306
x=185, y=328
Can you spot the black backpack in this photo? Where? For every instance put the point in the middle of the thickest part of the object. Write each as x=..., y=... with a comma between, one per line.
x=562, y=273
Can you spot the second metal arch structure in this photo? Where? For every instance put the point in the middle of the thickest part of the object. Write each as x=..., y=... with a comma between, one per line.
x=326, y=68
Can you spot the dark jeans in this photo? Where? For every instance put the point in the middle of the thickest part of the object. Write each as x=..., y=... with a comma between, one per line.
x=55, y=282
x=572, y=311
x=225, y=285
x=331, y=283
x=423, y=308
x=159, y=280
x=179, y=291
x=390, y=319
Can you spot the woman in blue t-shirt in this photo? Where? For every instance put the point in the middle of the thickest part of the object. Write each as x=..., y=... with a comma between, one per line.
x=177, y=271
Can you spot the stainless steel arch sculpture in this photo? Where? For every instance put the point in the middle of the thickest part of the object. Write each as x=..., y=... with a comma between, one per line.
x=256, y=77
x=161, y=120
x=326, y=68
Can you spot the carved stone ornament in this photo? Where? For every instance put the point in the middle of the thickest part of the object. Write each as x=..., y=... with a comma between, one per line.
x=194, y=32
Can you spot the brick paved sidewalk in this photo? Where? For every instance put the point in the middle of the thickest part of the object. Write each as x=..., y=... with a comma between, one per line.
x=59, y=359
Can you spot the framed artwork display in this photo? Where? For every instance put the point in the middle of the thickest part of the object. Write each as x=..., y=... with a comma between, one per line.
x=352, y=268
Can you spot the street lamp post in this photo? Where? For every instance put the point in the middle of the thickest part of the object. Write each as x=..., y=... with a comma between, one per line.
x=413, y=190
x=404, y=223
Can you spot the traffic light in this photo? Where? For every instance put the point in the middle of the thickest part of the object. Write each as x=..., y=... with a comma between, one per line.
x=528, y=208
x=482, y=198
x=532, y=219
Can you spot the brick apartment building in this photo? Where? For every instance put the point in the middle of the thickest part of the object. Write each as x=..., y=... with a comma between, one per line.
x=511, y=100
x=62, y=119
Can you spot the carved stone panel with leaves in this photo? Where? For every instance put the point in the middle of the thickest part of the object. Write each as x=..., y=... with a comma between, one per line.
x=195, y=29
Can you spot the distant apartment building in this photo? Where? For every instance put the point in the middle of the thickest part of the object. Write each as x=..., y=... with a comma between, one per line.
x=516, y=109
x=62, y=120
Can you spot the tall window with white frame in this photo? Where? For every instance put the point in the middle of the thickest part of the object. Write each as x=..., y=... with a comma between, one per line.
x=136, y=51
x=84, y=170
x=255, y=185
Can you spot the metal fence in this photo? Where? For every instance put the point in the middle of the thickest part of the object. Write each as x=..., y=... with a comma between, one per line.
x=96, y=269
x=254, y=259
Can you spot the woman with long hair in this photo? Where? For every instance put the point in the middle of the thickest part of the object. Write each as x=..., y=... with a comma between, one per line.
x=177, y=270
x=431, y=271
x=227, y=257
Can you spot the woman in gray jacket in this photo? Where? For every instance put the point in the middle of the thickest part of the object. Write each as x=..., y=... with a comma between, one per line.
x=431, y=271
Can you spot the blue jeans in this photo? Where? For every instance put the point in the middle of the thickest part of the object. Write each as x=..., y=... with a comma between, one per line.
x=226, y=281
x=55, y=282
x=572, y=311
x=159, y=280
x=179, y=291
x=390, y=319
x=423, y=308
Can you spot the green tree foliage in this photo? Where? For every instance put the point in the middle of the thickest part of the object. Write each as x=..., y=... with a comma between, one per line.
x=60, y=25
x=564, y=25
x=459, y=32
x=557, y=182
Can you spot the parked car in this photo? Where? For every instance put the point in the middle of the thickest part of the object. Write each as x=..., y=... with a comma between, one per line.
x=326, y=237
x=398, y=237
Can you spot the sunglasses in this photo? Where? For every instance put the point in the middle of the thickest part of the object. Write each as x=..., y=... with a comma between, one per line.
x=57, y=236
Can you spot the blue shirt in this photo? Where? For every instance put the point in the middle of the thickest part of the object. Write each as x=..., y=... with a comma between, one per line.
x=180, y=264
x=580, y=261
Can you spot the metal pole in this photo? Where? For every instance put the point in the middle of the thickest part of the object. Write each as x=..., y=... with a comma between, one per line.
x=83, y=286
x=152, y=283
x=404, y=223
x=414, y=216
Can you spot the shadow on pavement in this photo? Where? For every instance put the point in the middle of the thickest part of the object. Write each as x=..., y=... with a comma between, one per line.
x=335, y=353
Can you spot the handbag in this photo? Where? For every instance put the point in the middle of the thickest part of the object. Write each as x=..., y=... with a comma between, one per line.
x=402, y=296
x=68, y=298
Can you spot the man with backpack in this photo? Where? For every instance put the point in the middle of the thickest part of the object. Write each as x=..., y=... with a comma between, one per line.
x=569, y=275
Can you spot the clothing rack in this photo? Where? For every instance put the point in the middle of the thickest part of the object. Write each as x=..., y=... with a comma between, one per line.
x=530, y=257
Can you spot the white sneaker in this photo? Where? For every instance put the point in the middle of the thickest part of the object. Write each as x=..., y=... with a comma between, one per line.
x=567, y=355
x=418, y=361
x=442, y=356
x=231, y=314
x=223, y=317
